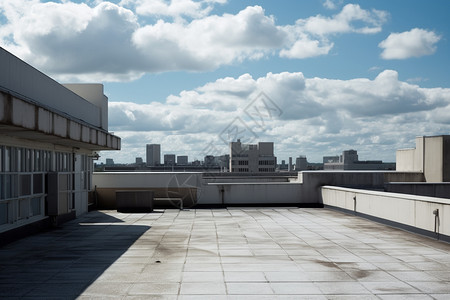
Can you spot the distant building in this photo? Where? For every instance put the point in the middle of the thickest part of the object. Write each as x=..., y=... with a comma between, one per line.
x=349, y=161
x=209, y=161
x=153, y=155
x=252, y=158
x=331, y=159
x=169, y=160
x=182, y=160
x=109, y=162
x=139, y=161
x=283, y=166
x=301, y=163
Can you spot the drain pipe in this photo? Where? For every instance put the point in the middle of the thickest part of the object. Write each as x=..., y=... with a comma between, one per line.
x=436, y=222
x=354, y=204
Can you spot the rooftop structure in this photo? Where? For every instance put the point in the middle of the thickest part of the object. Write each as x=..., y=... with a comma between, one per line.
x=49, y=135
x=431, y=156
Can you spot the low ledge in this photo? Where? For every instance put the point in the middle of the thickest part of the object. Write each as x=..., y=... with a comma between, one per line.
x=427, y=233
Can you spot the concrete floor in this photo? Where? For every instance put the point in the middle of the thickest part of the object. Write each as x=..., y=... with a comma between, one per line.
x=280, y=253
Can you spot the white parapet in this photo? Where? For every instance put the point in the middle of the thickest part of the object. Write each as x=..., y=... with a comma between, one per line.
x=423, y=213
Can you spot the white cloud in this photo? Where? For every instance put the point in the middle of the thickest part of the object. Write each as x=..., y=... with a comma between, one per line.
x=317, y=116
x=348, y=20
x=207, y=43
x=414, y=43
x=330, y=4
x=103, y=41
x=310, y=37
x=306, y=48
x=176, y=9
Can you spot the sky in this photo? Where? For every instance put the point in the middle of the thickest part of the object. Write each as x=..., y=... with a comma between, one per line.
x=315, y=77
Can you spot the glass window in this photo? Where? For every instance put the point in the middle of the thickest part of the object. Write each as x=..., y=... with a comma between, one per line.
x=2, y=184
x=38, y=183
x=25, y=185
x=37, y=162
x=29, y=160
x=19, y=160
x=23, y=208
x=1, y=159
x=7, y=166
x=35, y=206
x=4, y=213
x=10, y=186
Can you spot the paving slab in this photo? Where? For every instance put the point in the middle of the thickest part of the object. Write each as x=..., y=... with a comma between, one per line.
x=235, y=253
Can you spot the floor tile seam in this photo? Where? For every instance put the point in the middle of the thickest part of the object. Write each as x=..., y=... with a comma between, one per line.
x=272, y=239
x=419, y=271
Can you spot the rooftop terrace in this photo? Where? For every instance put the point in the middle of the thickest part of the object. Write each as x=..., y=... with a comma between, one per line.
x=235, y=253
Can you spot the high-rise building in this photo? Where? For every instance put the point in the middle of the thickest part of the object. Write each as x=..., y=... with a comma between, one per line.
x=153, y=155
x=252, y=158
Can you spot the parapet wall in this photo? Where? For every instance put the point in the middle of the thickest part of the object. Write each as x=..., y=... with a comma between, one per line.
x=25, y=82
x=205, y=189
x=425, y=215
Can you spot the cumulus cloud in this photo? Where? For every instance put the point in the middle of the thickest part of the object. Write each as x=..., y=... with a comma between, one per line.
x=105, y=41
x=310, y=116
x=330, y=4
x=349, y=19
x=414, y=43
x=176, y=9
x=311, y=37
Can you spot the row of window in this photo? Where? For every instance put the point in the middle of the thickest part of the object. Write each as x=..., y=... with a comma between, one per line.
x=13, y=211
x=15, y=159
x=261, y=162
x=23, y=175
x=266, y=170
x=259, y=170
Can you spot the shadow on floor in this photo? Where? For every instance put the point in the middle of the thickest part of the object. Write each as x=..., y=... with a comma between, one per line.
x=62, y=263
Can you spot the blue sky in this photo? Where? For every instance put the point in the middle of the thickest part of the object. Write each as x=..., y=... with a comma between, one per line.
x=364, y=75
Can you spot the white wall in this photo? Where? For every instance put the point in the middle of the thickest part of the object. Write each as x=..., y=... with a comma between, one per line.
x=93, y=92
x=433, y=165
x=411, y=210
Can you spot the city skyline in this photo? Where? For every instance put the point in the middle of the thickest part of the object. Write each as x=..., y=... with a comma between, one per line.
x=336, y=74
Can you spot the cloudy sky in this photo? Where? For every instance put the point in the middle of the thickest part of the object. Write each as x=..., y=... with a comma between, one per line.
x=315, y=77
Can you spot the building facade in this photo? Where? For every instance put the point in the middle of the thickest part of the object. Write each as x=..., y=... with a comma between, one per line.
x=182, y=160
x=153, y=155
x=252, y=158
x=49, y=135
x=349, y=161
x=301, y=163
x=169, y=160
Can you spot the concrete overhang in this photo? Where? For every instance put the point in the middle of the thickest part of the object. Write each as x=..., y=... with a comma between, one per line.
x=27, y=120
